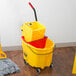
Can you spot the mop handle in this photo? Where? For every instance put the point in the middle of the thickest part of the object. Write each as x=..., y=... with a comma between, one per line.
x=34, y=11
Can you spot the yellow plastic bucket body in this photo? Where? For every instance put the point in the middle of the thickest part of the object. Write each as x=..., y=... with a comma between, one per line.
x=37, y=57
x=33, y=31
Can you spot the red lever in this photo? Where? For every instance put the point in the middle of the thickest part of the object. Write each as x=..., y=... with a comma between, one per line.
x=31, y=5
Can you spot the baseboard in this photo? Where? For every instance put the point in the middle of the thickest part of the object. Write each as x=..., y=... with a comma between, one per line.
x=13, y=48
x=68, y=44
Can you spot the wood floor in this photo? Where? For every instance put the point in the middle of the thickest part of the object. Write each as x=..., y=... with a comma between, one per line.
x=63, y=63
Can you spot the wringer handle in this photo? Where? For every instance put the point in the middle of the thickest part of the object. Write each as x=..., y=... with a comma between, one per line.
x=34, y=11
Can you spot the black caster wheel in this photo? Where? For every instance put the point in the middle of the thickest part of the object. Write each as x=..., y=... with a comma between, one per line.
x=25, y=62
x=38, y=70
x=51, y=65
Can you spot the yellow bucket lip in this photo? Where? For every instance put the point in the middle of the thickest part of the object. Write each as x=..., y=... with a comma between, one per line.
x=40, y=50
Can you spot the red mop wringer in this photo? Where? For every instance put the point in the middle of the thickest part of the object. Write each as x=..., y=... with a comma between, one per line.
x=37, y=48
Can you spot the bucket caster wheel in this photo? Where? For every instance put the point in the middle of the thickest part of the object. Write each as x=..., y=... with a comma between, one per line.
x=25, y=62
x=38, y=70
x=51, y=65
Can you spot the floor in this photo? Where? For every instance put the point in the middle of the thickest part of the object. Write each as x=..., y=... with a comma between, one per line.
x=63, y=63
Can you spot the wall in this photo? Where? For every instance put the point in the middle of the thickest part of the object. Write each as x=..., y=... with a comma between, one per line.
x=59, y=17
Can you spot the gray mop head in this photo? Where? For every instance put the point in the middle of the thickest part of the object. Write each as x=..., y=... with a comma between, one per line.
x=8, y=67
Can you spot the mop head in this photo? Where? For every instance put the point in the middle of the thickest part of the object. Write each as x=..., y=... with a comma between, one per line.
x=8, y=67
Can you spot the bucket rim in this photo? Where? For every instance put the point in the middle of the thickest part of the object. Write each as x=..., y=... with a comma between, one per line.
x=39, y=50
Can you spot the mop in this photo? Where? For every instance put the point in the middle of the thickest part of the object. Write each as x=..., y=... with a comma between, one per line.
x=6, y=65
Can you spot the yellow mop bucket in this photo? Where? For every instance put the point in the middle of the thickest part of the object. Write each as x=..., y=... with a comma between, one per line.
x=38, y=57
